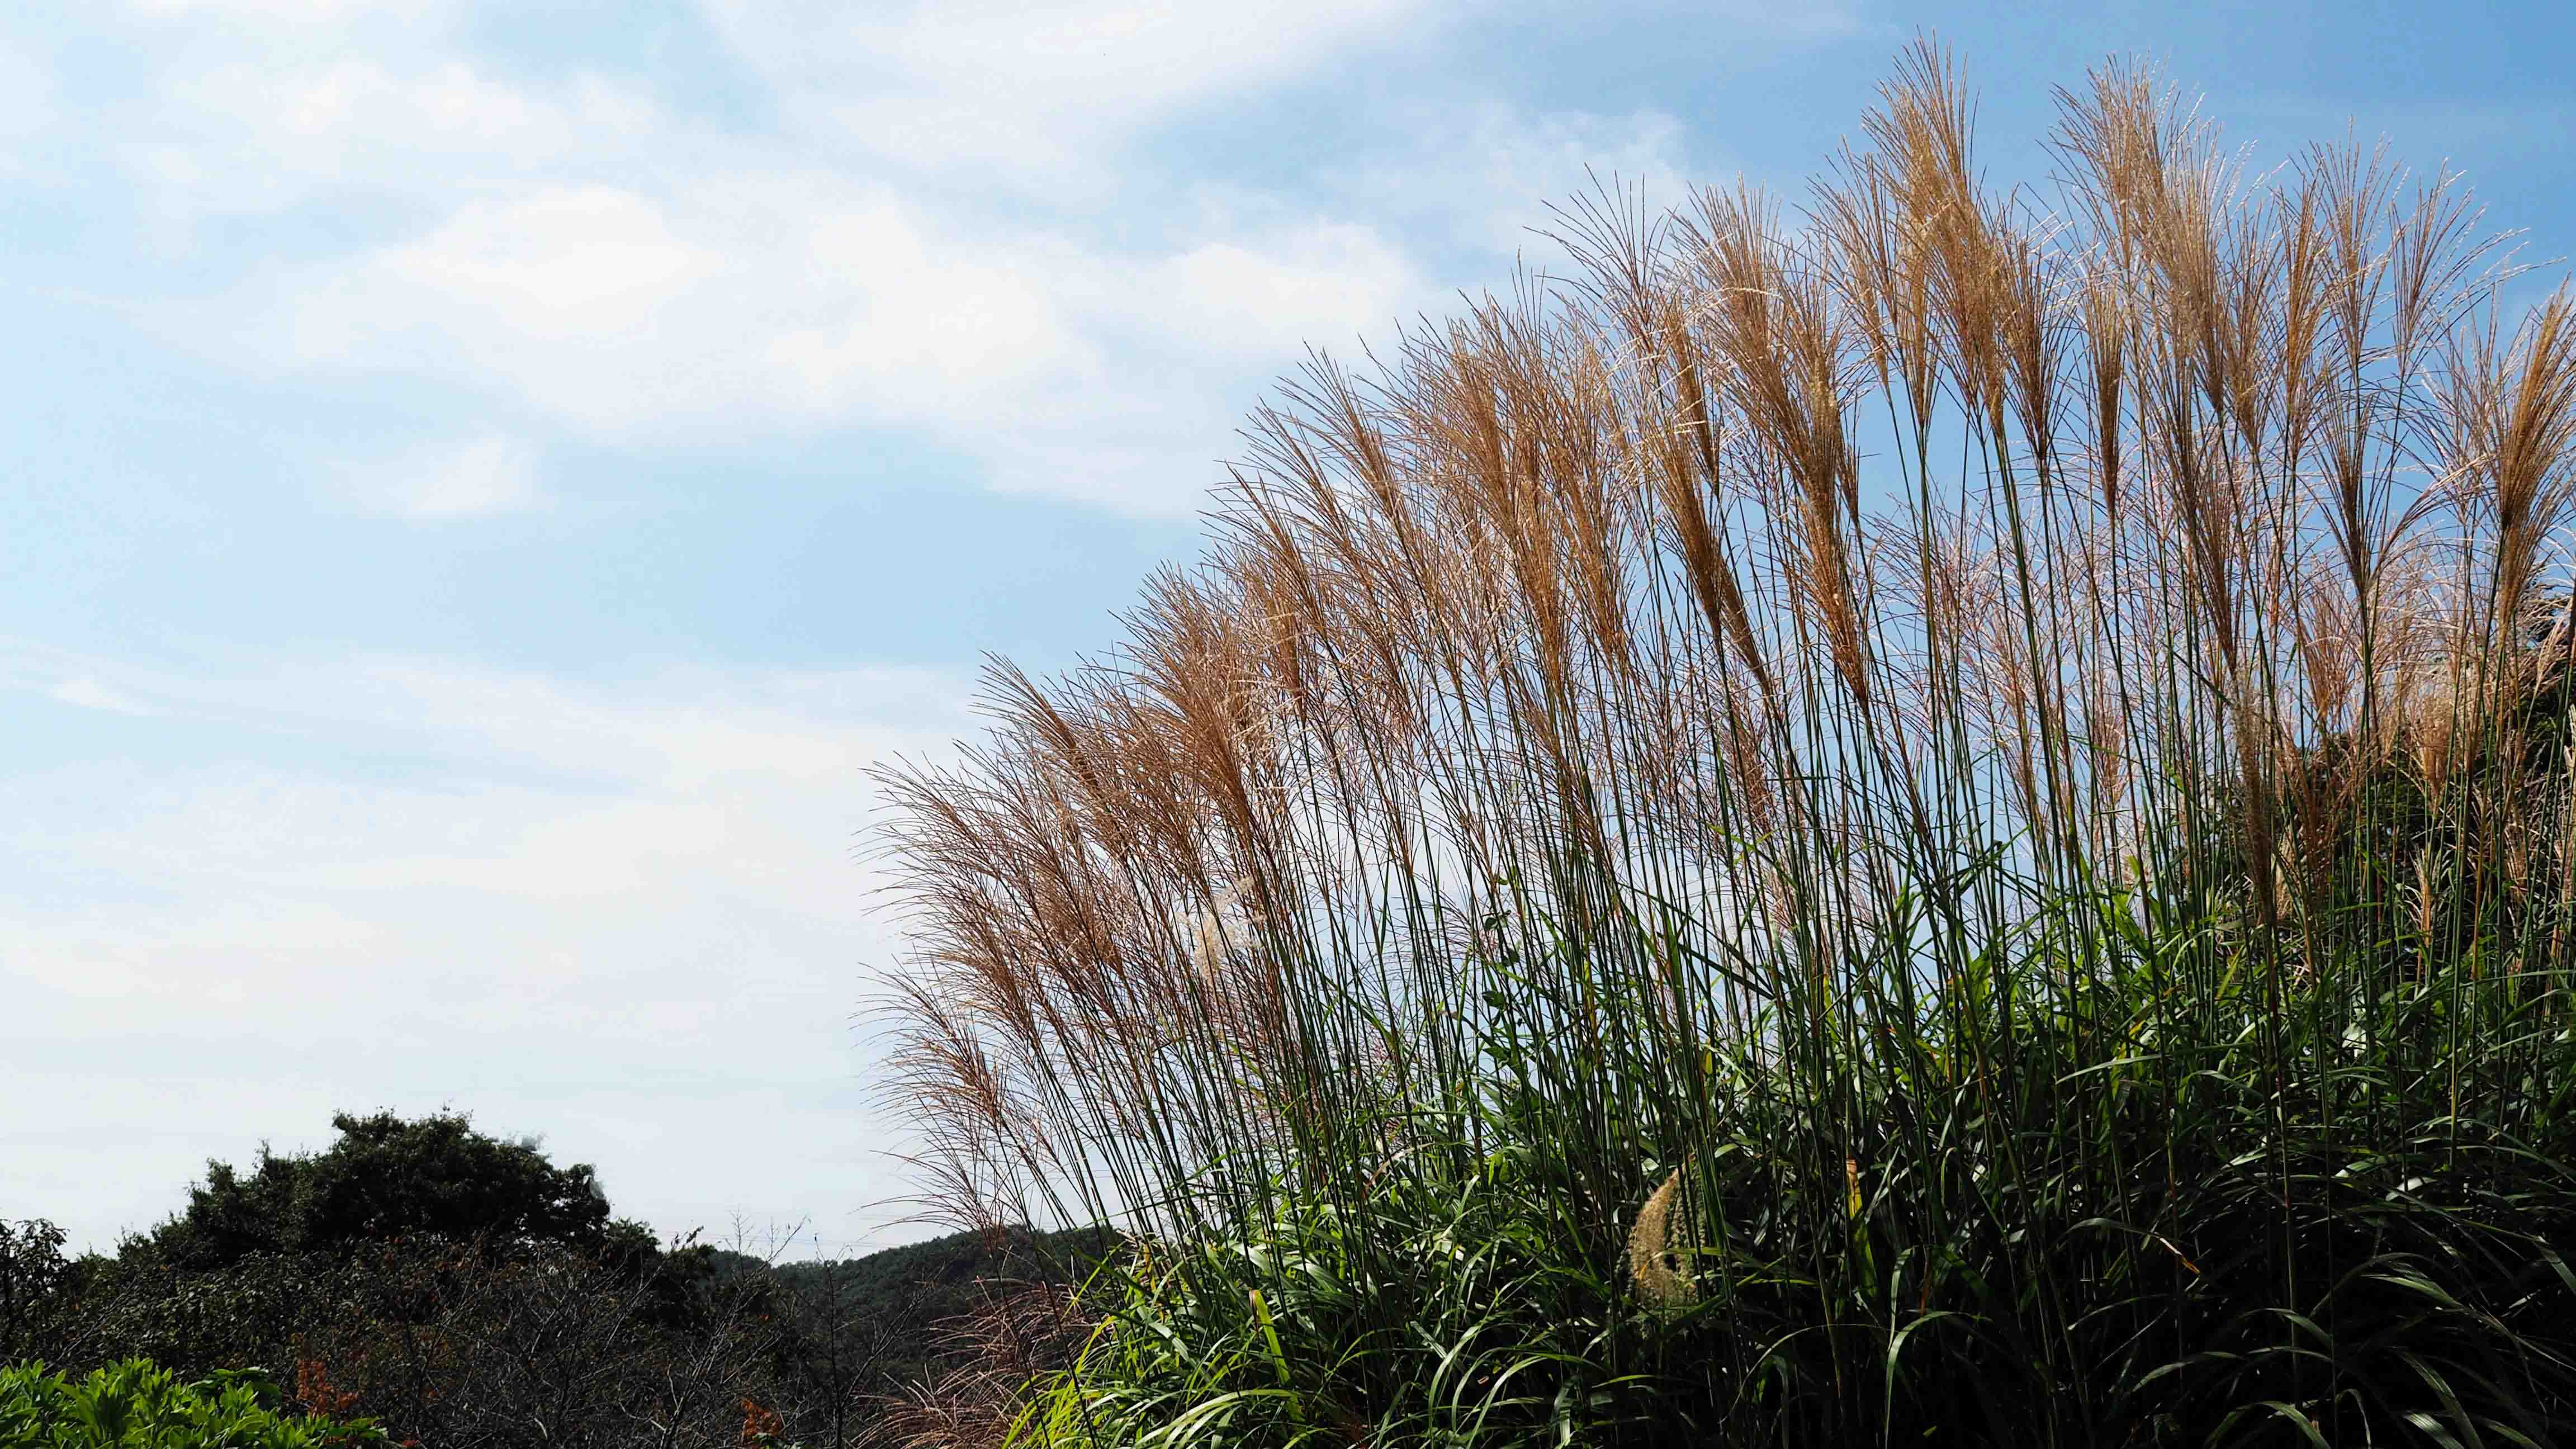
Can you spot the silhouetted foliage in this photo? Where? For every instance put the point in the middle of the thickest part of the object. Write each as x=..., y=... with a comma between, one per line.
x=465, y=1291
x=389, y=1178
x=33, y=1272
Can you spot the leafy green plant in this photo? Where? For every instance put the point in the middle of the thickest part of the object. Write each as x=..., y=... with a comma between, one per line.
x=137, y=1405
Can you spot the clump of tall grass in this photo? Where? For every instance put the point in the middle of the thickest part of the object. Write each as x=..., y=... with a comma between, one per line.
x=1941, y=814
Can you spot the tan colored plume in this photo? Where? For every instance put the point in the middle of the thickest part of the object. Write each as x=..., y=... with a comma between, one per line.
x=1658, y=1249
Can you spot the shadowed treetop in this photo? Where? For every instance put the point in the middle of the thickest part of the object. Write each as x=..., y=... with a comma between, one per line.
x=384, y=1178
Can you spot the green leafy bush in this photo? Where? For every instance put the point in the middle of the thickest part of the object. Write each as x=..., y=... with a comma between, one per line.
x=137, y=1405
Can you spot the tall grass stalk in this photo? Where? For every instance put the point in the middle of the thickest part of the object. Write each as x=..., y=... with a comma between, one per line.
x=2008, y=752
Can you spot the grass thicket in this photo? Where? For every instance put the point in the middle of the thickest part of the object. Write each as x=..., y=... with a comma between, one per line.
x=1936, y=816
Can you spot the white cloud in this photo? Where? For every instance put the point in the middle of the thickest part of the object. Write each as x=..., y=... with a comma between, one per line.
x=347, y=115
x=590, y=263
x=86, y=692
x=1483, y=176
x=947, y=228
x=259, y=134
x=882, y=312
x=27, y=102
x=1264, y=297
x=803, y=300
x=622, y=912
x=292, y=12
x=485, y=473
x=1036, y=94
x=739, y=301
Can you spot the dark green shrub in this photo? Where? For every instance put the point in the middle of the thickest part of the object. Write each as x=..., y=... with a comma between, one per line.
x=35, y=1279
x=385, y=1178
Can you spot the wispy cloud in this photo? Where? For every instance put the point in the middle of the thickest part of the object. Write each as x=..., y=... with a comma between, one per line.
x=607, y=911
x=27, y=102
x=85, y=692
x=791, y=301
x=1040, y=97
x=917, y=240
x=487, y=472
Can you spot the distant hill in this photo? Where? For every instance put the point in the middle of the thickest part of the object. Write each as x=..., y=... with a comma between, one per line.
x=915, y=1293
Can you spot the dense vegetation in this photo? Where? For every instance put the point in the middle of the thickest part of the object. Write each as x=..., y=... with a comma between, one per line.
x=924, y=1296
x=135, y=1405
x=1945, y=822
x=463, y=1291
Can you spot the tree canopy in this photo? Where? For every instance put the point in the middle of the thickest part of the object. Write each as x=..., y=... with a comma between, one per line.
x=385, y=1178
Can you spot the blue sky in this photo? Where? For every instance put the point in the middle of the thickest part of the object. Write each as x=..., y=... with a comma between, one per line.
x=484, y=481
